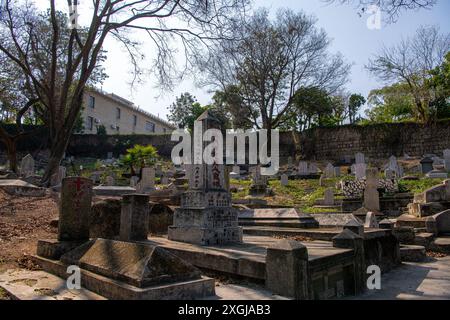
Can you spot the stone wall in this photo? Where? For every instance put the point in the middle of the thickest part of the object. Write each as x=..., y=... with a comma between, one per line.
x=375, y=141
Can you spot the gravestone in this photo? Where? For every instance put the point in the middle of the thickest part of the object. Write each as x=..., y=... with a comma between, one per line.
x=329, y=171
x=394, y=166
x=371, y=220
x=164, y=179
x=426, y=165
x=27, y=166
x=109, y=181
x=134, y=181
x=134, y=217
x=109, y=155
x=75, y=209
x=313, y=169
x=447, y=159
x=57, y=177
x=389, y=173
x=371, y=195
x=205, y=216
x=237, y=171
x=359, y=158
x=337, y=171
x=360, y=171
x=284, y=180
x=329, y=197
x=303, y=168
x=259, y=185
x=147, y=183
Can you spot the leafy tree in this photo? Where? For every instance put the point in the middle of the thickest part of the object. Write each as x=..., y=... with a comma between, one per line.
x=410, y=63
x=273, y=60
x=440, y=82
x=101, y=130
x=185, y=110
x=139, y=157
x=58, y=74
x=356, y=101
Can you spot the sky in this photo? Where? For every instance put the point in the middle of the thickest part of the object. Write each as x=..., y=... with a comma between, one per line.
x=344, y=25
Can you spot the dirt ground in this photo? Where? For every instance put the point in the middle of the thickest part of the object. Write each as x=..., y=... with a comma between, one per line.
x=23, y=220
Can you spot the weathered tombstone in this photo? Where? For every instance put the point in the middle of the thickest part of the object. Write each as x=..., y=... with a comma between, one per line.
x=27, y=166
x=322, y=180
x=57, y=177
x=147, y=182
x=134, y=181
x=164, y=179
x=371, y=220
x=109, y=181
x=329, y=197
x=394, y=166
x=313, y=169
x=359, y=158
x=287, y=269
x=329, y=171
x=259, y=182
x=206, y=216
x=447, y=159
x=284, y=179
x=389, y=173
x=337, y=171
x=371, y=195
x=75, y=208
x=426, y=165
x=109, y=155
x=134, y=217
x=303, y=168
x=360, y=171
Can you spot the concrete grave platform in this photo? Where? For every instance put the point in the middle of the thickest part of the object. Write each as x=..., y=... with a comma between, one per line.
x=113, y=191
x=23, y=284
x=247, y=259
x=282, y=217
x=21, y=188
x=131, y=271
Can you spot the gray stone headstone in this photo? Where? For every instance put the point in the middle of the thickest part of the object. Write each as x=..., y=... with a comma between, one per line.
x=329, y=171
x=359, y=158
x=329, y=197
x=134, y=181
x=284, y=180
x=447, y=159
x=337, y=171
x=109, y=181
x=313, y=169
x=134, y=218
x=360, y=171
x=371, y=195
x=426, y=165
x=147, y=182
x=109, y=155
x=27, y=166
x=303, y=168
x=75, y=208
x=371, y=220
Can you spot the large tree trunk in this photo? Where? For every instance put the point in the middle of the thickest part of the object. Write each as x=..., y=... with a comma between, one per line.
x=11, y=152
x=57, y=150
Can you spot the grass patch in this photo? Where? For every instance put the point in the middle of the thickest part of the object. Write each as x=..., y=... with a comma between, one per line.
x=4, y=295
x=417, y=186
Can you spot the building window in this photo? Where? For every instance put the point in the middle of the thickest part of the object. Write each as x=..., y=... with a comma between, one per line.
x=90, y=123
x=135, y=120
x=150, y=126
x=91, y=102
x=118, y=113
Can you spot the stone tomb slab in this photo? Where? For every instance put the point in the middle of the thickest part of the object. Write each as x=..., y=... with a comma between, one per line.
x=113, y=191
x=136, y=264
x=21, y=188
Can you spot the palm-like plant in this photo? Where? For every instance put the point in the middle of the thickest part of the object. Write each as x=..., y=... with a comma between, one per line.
x=139, y=157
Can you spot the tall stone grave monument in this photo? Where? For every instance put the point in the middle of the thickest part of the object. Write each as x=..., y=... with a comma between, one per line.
x=75, y=208
x=206, y=216
x=147, y=183
x=359, y=158
x=371, y=195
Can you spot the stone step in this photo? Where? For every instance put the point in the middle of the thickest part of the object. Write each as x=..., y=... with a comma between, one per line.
x=410, y=253
x=441, y=244
x=424, y=239
x=411, y=221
